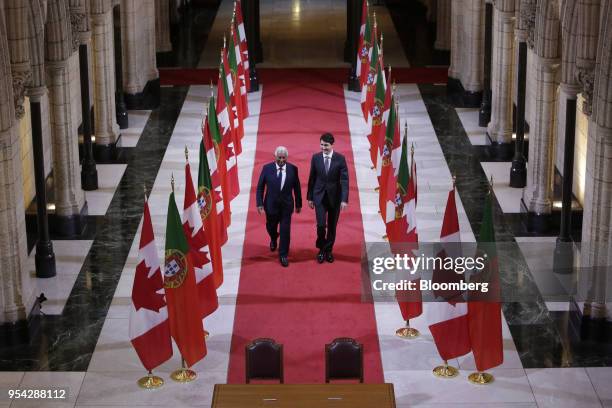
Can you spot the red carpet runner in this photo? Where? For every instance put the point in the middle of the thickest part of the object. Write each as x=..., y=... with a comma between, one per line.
x=305, y=305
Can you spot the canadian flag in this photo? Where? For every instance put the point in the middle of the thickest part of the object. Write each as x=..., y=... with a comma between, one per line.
x=198, y=247
x=149, y=328
x=448, y=321
x=244, y=48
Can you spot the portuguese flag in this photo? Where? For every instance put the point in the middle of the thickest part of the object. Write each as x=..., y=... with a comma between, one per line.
x=181, y=291
x=213, y=223
x=377, y=110
x=484, y=310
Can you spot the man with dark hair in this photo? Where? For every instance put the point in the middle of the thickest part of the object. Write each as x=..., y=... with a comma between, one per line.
x=328, y=187
x=281, y=183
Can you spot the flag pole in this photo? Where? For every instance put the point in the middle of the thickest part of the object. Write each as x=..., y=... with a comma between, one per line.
x=150, y=381
x=407, y=332
x=183, y=374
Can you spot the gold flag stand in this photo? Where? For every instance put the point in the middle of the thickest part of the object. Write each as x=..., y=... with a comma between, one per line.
x=445, y=371
x=206, y=334
x=150, y=381
x=407, y=332
x=481, y=378
x=183, y=374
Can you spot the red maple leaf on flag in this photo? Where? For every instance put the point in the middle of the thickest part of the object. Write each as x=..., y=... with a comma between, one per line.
x=229, y=152
x=146, y=296
x=200, y=258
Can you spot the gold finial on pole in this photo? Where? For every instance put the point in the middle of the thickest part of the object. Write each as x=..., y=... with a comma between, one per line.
x=186, y=154
x=172, y=182
x=412, y=149
x=406, y=128
x=490, y=185
x=381, y=43
x=390, y=74
x=454, y=181
x=224, y=42
x=212, y=93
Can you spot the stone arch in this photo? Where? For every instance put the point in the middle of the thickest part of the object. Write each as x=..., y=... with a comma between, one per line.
x=569, y=41
x=547, y=29
x=603, y=75
x=58, y=33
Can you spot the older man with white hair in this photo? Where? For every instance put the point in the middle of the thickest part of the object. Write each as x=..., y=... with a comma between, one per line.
x=278, y=184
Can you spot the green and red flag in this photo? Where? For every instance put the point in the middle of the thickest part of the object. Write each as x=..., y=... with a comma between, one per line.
x=389, y=161
x=181, y=290
x=367, y=90
x=199, y=248
x=484, y=309
x=210, y=204
x=378, y=108
x=364, y=49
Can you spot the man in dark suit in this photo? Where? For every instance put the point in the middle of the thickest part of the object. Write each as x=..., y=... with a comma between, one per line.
x=328, y=187
x=281, y=183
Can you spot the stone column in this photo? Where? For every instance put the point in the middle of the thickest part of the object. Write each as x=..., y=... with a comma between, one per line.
x=162, y=26
x=443, y=25
x=537, y=196
x=499, y=128
x=12, y=220
x=106, y=129
x=474, y=45
x=150, y=41
x=596, y=254
x=69, y=197
x=455, y=37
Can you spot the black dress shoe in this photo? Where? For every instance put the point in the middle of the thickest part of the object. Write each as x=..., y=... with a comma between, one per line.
x=273, y=245
x=284, y=261
x=321, y=257
x=329, y=257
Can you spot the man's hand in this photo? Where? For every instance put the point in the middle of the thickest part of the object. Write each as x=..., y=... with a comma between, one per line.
x=343, y=206
x=298, y=210
x=311, y=204
x=260, y=210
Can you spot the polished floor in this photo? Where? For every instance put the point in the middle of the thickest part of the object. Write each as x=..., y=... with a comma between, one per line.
x=84, y=343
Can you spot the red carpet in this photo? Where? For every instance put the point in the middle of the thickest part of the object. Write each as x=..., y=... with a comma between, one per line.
x=198, y=76
x=305, y=305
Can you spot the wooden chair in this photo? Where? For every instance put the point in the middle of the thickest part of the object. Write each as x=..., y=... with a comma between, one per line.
x=264, y=360
x=344, y=359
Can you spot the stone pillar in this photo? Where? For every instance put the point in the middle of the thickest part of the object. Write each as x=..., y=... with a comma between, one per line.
x=537, y=196
x=12, y=220
x=106, y=129
x=162, y=26
x=455, y=37
x=443, y=25
x=499, y=128
x=69, y=197
x=596, y=221
x=596, y=255
x=140, y=75
x=473, y=69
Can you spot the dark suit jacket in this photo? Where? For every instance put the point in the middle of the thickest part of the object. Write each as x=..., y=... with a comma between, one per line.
x=269, y=194
x=335, y=183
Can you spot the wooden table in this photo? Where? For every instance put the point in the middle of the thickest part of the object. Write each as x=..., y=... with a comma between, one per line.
x=303, y=395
